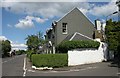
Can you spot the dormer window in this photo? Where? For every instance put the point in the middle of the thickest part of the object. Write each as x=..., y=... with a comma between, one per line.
x=64, y=28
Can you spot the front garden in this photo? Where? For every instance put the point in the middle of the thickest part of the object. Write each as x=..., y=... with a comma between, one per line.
x=61, y=58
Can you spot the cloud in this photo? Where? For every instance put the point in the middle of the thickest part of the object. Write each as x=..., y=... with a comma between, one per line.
x=39, y=20
x=9, y=25
x=27, y=22
x=104, y=10
x=57, y=0
x=19, y=46
x=44, y=9
x=24, y=23
x=3, y=38
x=15, y=45
x=49, y=10
x=43, y=1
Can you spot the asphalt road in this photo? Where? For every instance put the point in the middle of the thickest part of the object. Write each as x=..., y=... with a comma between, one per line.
x=99, y=69
x=14, y=67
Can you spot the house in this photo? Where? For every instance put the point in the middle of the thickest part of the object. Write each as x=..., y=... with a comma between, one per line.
x=73, y=26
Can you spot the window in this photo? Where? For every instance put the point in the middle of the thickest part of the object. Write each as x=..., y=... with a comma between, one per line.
x=64, y=28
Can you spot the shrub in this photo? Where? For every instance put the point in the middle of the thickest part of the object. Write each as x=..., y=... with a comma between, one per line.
x=50, y=60
x=69, y=45
x=29, y=54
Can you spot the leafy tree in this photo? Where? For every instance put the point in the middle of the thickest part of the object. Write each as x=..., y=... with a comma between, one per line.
x=6, y=47
x=112, y=31
x=34, y=41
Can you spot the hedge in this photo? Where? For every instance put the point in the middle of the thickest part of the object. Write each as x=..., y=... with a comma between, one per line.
x=69, y=45
x=50, y=60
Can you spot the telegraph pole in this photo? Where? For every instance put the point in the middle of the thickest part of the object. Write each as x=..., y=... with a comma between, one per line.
x=118, y=4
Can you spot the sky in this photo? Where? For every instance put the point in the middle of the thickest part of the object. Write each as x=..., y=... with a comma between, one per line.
x=20, y=19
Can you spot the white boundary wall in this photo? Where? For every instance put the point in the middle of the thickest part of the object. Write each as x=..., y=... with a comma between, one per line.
x=86, y=56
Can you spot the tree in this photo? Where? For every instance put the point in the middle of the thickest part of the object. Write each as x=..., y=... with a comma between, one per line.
x=6, y=47
x=112, y=31
x=34, y=41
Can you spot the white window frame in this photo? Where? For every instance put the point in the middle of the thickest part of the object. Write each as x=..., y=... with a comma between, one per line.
x=65, y=28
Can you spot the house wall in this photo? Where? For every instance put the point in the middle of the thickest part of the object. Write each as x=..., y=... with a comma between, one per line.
x=86, y=56
x=76, y=22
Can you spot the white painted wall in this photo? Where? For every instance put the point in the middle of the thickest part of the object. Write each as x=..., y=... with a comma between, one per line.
x=86, y=56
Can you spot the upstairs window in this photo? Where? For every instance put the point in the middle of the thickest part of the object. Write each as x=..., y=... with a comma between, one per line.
x=64, y=28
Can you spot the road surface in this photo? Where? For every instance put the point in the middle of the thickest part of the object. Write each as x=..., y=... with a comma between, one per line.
x=14, y=67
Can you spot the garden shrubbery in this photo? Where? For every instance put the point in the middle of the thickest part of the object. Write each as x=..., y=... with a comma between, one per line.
x=69, y=45
x=49, y=60
x=29, y=54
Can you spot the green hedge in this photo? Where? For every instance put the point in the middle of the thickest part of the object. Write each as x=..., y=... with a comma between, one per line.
x=50, y=60
x=69, y=45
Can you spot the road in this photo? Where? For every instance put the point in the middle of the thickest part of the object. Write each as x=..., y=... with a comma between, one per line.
x=99, y=69
x=14, y=67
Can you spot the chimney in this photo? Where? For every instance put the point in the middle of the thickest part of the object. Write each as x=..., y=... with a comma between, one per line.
x=98, y=25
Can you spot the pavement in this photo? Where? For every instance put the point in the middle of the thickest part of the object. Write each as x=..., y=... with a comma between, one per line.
x=95, y=69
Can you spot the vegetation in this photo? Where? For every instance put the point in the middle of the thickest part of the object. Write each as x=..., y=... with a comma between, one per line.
x=29, y=54
x=6, y=47
x=50, y=60
x=69, y=45
x=34, y=41
x=112, y=31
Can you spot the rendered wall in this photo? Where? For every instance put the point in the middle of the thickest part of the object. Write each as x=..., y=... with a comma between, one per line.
x=86, y=56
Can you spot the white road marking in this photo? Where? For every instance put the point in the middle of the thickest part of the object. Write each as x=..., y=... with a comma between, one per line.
x=24, y=67
x=118, y=73
x=31, y=70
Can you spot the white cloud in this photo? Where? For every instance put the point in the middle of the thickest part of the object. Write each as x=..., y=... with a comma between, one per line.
x=9, y=25
x=39, y=20
x=57, y=0
x=43, y=1
x=24, y=23
x=27, y=22
x=104, y=10
x=3, y=38
x=49, y=10
x=45, y=9
x=19, y=46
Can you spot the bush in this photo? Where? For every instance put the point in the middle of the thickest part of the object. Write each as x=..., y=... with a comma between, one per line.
x=50, y=60
x=29, y=54
x=69, y=45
